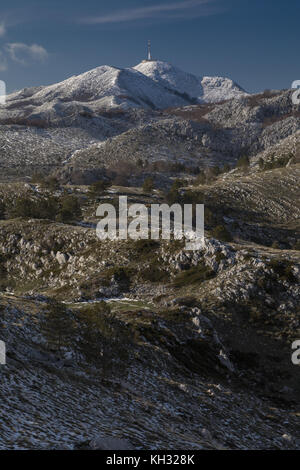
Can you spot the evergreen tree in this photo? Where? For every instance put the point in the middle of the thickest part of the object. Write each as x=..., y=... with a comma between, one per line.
x=2, y=210
x=70, y=209
x=98, y=188
x=243, y=162
x=148, y=185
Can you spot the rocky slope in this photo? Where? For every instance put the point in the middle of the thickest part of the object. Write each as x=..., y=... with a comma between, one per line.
x=196, y=351
x=202, y=136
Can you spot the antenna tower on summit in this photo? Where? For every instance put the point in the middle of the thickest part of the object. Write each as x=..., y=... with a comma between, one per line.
x=149, y=54
x=149, y=51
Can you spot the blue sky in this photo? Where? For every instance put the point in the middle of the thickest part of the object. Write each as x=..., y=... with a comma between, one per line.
x=254, y=42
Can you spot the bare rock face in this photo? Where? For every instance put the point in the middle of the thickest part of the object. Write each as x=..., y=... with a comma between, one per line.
x=61, y=258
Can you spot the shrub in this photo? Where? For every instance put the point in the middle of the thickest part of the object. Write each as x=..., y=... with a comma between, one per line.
x=51, y=183
x=148, y=185
x=121, y=274
x=201, y=178
x=283, y=269
x=261, y=163
x=121, y=180
x=174, y=195
x=276, y=245
x=187, y=302
x=194, y=275
x=193, y=197
x=297, y=245
x=98, y=188
x=144, y=247
x=70, y=209
x=277, y=163
x=226, y=168
x=154, y=274
x=34, y=208
x=221, y=233
x=243, y=162
x=37, y=178
x=2, y=210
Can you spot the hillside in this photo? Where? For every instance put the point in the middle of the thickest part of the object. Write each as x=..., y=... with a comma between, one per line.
x=200, y=337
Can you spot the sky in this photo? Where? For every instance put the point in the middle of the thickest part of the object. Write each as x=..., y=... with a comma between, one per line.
x=254, y=42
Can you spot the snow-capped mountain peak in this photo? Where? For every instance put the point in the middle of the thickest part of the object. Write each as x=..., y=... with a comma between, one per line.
x=172, y=78
x=149, y=85
x=197, y=89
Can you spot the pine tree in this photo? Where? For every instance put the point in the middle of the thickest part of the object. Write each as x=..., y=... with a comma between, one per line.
x=243, y=162
x=148, y=185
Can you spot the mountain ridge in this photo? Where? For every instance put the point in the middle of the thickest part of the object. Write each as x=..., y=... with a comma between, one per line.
x=154, y=85
x=199, y=89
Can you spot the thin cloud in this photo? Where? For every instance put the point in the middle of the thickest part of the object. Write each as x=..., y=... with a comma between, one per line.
x=2, y=29
x=23, y=53
x=3, y=62
x=163, y=10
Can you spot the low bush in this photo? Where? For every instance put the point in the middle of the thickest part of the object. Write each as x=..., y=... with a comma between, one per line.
x=144, y=247
x=2, y=209
x=221, y=233
x=26, y=207
x=70, y=209
x=98, y=188
x=193, y=275
x=283, y=269
x=243, y=162
x=154, y=274
x=297, y=246
x=148, y=185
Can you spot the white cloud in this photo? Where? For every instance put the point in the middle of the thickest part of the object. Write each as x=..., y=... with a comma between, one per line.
x=2, y=29
x=22, y=53
x=164, y=10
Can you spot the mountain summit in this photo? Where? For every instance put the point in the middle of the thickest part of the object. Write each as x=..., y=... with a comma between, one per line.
x=149, y=85
x=191, y=87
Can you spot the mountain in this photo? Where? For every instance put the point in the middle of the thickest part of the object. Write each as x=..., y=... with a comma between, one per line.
x=149, y=85
x=103, y=87
x=197, y=89
x=153, y=112
x=195, y=345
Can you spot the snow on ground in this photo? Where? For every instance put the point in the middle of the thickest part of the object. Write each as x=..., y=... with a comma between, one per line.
x=201, y=89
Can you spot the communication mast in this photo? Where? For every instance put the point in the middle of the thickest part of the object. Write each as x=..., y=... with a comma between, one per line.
x=149, y=51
